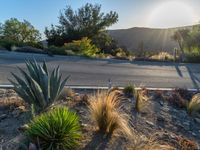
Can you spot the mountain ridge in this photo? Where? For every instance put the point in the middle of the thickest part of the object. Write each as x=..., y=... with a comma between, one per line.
x=152, y=39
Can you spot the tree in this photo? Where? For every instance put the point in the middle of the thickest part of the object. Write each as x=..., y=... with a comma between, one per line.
x=180, y=37
x=18, y=31
x=87, y=21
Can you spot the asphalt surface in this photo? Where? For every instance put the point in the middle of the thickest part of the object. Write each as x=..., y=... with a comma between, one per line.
x=98, y=72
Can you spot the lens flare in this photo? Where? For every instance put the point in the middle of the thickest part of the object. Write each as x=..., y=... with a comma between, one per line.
x=172, y=14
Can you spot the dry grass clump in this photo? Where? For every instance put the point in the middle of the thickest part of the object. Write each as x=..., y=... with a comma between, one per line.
x=13, y=101
x=107, y=114
x=141, y=99
x=162, y=56
x=67, y=93
x=194, y=104
x=152, y=143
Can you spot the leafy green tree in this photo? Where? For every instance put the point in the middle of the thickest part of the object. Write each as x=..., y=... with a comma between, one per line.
x=105, y=42
x=87, y=21
x=18, y=31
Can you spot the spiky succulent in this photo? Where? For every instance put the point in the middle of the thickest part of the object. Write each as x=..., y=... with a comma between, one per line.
x=37, y=86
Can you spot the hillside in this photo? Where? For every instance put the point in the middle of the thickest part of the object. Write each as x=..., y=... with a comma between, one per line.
x=152, y=39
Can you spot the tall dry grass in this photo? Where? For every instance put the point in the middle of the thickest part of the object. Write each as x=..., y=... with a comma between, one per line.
x=194, y=104
x=151, y=143
x=107, y=114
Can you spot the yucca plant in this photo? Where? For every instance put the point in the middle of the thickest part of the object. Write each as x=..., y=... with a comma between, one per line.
x=194, y=104
x=58, y=129
x=106, y=112
x=37, y=86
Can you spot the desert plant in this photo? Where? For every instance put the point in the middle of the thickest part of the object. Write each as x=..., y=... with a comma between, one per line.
x=67, y=93
x=151, y=143
x=38, y=88
x=107, y=114
x=194, y=104
x=140, y=99
x=58, y=129
x=129, y=90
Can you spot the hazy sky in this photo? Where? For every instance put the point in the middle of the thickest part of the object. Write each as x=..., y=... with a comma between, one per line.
x=132, y=13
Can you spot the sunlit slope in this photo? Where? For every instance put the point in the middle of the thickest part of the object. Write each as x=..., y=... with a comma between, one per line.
x=152, y=39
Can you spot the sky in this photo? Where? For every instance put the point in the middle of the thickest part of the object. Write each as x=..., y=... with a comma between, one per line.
x=132, y=13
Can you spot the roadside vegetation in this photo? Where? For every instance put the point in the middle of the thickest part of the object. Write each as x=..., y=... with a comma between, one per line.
x=64, y=119
x=72, y=36
x=188, y=41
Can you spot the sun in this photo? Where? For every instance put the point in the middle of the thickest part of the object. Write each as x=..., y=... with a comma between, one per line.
x=172, y=14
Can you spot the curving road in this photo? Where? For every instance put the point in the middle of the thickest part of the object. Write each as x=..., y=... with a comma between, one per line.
x=97, y=72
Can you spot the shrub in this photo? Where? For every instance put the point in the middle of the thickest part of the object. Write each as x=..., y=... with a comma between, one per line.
x=151, y=143
x=193, y=56
x=8, y=44
x=194, y=104
x=163, y=56
x=58, y=129
x=83, y=46
x=38, y=88
x=129, y=90
x=140, y=99
x=106, y=113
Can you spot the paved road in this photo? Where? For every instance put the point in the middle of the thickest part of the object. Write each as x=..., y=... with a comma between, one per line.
x=91, y=72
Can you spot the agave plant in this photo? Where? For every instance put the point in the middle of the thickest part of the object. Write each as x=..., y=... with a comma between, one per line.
x=38, y=88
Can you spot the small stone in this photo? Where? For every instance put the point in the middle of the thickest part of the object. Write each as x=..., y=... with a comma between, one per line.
x=160, y=118
x=197, y=120
x=194, y=134
x=3, y=116
x=161, y=103
x=84, y=125
x=150, y=123
x=16, y=113
x=23, y=128
x=32, y=146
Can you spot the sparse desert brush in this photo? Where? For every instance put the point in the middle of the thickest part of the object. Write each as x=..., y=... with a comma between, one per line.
x=58, y=129
x=140, y=99
x=67, y=93
x=194, y=105
x=151, y=143
x=12, y=101
x=129, y=90
x=107, y=114
x=162, y=56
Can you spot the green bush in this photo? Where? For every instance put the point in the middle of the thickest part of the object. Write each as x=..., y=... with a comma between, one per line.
x=129, y=90
x=58, y=129
x=83, y=47
x=8, y=44
x=60, y=51
x=37, y=86
x=193, y=55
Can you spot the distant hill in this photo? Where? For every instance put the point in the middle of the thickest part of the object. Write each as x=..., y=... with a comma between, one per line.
x=152, y=39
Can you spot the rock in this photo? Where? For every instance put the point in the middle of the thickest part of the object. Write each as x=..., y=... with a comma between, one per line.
x=23, y=127
x=186, y=125
x=16, y=113
x=150, y=123
x=160, y=118
x=161, y=103
x=32, y=146
x=197, y=120
x=194, y=134
x=3, y=116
